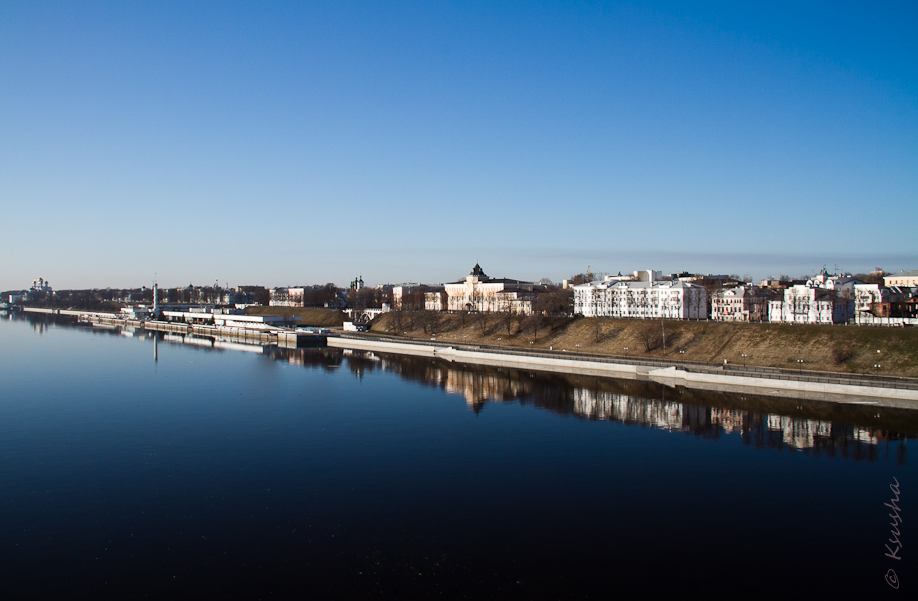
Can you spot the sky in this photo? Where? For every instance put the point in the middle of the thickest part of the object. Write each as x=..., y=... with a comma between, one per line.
x=283, y=143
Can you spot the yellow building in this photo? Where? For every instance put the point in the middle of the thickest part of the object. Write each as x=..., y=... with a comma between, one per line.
x=909, y=279
x=478, y=292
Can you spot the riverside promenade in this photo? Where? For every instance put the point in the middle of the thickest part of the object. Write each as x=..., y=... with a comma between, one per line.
x=858, y=389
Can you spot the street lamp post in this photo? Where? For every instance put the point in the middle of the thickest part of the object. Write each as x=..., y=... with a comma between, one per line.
x=744, y=360
x=876, y=367
x=626, y=351
x=498, y=343
x=800, y=366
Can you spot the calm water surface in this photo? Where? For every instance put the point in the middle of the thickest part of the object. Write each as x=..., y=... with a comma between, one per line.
x=134, y=466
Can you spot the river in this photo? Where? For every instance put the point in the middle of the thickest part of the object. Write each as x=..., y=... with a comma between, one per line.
x=142, y=465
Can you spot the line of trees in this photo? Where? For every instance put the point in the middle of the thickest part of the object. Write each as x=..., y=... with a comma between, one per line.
x=370, y=298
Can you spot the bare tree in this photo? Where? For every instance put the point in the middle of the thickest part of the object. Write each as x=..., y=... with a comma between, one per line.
x=483, y=322
x=532, y=323
x=554, y=301
x=595, y=329
x=650, y=335
x=874, y=277
x=398, y=318
x=580, y=278
x=434, y=323
x=506, y=318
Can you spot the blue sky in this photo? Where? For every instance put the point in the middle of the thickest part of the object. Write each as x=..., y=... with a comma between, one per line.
x=283, y=143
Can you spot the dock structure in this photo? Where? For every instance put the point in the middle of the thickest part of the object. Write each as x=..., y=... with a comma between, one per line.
x=251, y=329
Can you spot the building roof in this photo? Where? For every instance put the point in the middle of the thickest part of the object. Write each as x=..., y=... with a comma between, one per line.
x=913, y=273
x=667, y=284
x=478, y=271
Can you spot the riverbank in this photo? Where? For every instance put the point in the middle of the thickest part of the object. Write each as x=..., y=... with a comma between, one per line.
x=811, y=386
x=839, y=349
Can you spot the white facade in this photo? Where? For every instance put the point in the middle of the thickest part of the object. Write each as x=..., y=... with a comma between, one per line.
x=436, y=301
x=409, y=297
x=823, y=299
x=400, y=290
x=478, y=292
x=641, y=300
x=742, y=303
x=865, y=295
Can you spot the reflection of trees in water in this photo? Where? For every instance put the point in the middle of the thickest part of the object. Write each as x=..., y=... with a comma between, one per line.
x=322, y=358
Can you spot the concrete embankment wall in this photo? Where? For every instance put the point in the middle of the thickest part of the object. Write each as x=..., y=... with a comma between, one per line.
x=873, y=395
x=816, y=391
x=566, y=366
x=417, y=350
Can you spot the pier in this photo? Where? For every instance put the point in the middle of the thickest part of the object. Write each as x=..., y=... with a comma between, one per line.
x=286, y=338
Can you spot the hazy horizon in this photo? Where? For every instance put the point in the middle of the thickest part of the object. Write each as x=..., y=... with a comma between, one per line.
x=796, y=267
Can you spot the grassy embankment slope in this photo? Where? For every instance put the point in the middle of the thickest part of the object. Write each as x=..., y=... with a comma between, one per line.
x=824, y=348
x=325, y=318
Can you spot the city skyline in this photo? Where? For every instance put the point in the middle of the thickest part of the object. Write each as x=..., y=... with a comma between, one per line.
x=289, y=144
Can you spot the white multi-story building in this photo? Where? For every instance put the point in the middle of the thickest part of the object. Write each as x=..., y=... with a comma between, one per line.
x=866, y=298
x=743, y=303
x=411, y=296
x=478, y=292
x=436, y=300
x=640, y=299
x=823, y=299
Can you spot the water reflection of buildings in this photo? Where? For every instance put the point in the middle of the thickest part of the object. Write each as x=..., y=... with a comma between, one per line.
x=801, y=433
x=479, y=388
x=608, y=406
x=758, y=429
x=634, y=407
x=767, y=424
x=631, y=404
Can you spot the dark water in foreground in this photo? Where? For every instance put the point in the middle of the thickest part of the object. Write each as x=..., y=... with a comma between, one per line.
x=313, y=473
